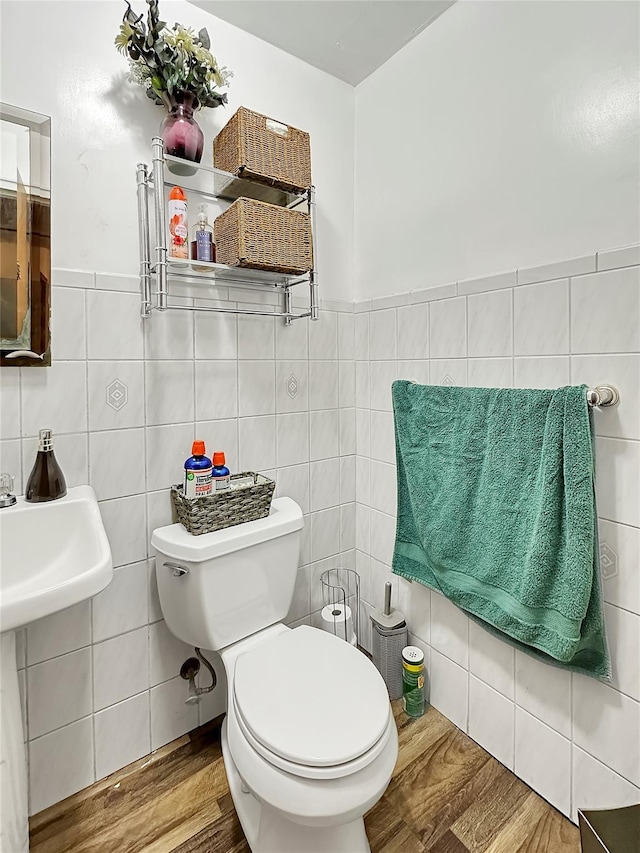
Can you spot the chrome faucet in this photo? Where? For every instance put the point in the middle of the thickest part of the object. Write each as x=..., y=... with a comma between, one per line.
x=6, y=489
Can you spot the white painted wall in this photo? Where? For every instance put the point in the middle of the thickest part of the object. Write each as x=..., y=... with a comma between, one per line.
x=505, y=134
x=102, y=125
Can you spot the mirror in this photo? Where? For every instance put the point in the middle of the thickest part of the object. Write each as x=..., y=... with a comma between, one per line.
x=25, y=237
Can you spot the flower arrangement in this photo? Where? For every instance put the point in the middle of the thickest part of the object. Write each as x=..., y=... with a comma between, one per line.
x=166, y=61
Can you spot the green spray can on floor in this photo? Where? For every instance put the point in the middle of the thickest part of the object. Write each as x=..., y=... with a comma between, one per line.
x=413, y=681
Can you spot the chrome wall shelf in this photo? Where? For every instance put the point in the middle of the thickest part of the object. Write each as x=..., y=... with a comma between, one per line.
x=208, y=183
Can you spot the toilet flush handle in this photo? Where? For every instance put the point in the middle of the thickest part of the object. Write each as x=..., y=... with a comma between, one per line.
x=177, y=570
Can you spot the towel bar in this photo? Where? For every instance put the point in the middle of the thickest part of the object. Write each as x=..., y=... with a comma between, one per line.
x=600, y=397
x=603, y=396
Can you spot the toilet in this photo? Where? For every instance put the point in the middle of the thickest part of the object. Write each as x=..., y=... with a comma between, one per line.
x=309, y=740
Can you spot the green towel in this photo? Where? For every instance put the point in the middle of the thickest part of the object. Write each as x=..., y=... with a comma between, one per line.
x=496, y=510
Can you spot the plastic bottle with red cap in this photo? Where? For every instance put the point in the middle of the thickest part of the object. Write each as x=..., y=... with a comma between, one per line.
x=221, y=476
x=198, y=472
x=178, y=224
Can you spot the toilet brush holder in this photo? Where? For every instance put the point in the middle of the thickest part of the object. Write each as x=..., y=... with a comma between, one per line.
x=388, y=638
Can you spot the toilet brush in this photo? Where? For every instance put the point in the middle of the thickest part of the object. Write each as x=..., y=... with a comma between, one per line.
x=388, y=638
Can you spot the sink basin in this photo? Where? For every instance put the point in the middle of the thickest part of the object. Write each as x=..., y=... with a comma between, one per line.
x=52, y=555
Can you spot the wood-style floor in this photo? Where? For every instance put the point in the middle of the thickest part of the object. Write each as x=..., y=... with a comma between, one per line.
x=447, y=795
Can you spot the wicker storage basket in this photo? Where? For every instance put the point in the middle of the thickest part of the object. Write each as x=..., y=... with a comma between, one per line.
x=263, y=236
x=225, y=508
x=254, y=146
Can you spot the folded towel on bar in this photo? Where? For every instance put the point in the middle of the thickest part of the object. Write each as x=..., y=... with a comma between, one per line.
x=496, y=510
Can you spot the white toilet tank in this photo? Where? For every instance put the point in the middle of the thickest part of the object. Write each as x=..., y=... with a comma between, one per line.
x=218, y=588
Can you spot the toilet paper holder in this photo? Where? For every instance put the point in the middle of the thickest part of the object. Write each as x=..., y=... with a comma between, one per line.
x=340, y=612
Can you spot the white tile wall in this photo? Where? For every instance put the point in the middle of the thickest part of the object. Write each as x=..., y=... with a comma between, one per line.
x=125, y=523
x=101, y=375
x=627, y=256
x=448, y=328
x=122, y=734
x=491, y=660
x=120, y=668
x=606, y=724
x=123, y=606
x=60, y=763
x=59, y=691
x=449, y=691
x=491, y=721
x=449, y=630
x=102, y=677
x=617, y=293
x=596, y=786
x=68, y=323
x=533, y=330
x=170, y=716
x=57, y=395
x=490, y=327
x=117, y=462
x=169, y=392
x=541, y=318
x=60, y=633
x=226, y=380
x=114, y=327
x=413, y=331
x=543, y=760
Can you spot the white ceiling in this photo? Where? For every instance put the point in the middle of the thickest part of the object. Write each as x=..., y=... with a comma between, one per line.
x=346, y=38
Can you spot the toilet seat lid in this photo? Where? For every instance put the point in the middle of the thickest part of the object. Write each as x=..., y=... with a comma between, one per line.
x=311, y=698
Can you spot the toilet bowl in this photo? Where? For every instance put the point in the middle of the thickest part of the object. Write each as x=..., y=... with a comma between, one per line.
x=309, y=740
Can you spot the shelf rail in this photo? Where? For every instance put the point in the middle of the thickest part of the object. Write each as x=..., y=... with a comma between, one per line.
x=313, y=281
x=161, y=228
x=285, y=314
x=142, y=180
x=231, y=276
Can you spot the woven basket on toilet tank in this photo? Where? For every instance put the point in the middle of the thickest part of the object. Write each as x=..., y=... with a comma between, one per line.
x=225, y=508
x=255, y=146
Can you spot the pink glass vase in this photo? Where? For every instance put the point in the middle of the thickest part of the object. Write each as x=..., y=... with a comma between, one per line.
x=181, y=133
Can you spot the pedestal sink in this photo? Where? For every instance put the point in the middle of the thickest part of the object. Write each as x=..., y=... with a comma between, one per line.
x=52, y=555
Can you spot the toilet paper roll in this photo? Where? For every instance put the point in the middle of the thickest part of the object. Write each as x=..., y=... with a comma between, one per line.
x=337, y=619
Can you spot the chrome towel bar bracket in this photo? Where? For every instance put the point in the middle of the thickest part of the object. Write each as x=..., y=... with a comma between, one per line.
x=603, y=396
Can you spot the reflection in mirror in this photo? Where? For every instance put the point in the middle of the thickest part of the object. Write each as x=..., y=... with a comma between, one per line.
x=25, y=237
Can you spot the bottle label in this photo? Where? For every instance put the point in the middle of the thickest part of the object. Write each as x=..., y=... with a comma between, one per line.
x=413, y=700
x=197, y=484
x=178, y=228
x=204, y=246
x=221, y=483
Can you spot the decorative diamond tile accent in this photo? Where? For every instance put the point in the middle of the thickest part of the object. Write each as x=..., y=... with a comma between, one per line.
x=447, y=380
x=608, y=561
x=117, y=395
x=292, y=386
